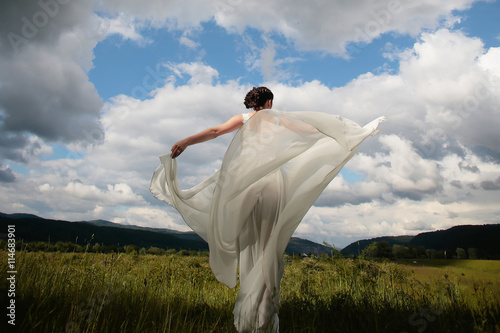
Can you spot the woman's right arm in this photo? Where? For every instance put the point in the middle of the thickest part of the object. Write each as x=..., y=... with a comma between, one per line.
x=210, y=133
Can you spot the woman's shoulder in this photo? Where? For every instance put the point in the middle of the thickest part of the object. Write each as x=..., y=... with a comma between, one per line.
x=246, y=116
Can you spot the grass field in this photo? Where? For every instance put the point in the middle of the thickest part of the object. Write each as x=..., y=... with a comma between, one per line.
x=72, y=292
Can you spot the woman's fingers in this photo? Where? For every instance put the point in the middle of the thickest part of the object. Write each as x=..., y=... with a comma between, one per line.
x=176, y=151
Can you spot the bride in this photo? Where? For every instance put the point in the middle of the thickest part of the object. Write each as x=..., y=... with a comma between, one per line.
x=276, y=166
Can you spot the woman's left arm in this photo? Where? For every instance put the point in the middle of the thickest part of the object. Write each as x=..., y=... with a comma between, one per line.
x=210, y=133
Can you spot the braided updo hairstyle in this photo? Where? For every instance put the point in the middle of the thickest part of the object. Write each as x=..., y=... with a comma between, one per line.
x=257, y=97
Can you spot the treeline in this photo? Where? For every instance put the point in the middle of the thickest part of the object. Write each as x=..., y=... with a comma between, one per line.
x=69, y=247
x=384, y=250
x=376, y=250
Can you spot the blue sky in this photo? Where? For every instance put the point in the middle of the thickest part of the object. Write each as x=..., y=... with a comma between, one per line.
x=91, y=93
x=226, y=52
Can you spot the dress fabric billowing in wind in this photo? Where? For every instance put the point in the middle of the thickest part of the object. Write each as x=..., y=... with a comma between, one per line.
x=276, y=166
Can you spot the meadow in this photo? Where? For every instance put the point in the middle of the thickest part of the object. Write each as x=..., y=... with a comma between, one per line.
x=89, y=292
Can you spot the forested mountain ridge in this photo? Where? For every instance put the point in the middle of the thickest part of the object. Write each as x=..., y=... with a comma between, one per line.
x=483, y=238
x=32, y=228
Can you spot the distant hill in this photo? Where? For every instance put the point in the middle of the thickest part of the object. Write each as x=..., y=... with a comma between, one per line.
x=32, y=228
x=304, y=246
x=180, y=234
x=482, y=237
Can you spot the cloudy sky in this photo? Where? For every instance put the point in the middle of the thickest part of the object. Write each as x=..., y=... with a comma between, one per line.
x=92, y=92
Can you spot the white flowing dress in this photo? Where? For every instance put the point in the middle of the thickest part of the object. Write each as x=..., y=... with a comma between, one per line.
x=276, y=166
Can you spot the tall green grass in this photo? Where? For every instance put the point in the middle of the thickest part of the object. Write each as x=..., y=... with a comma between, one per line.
x=72, y=292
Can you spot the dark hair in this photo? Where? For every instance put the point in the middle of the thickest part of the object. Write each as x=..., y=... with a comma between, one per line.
x=257, y=97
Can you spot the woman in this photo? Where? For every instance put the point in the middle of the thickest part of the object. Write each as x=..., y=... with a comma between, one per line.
x=276, y=166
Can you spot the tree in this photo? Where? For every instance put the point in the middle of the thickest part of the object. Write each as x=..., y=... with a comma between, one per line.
x=418, y=252
x=156, y=251
x=434, y=254
x=474, y=253
x=401, y=252
x=461, y=254
x=131, y=249
x=170, y=251
x=96, y=248
x=377, y=250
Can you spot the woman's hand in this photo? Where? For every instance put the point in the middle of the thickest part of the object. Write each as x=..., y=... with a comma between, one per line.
x=178, y=148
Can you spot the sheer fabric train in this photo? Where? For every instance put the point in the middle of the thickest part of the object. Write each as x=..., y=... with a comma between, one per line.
x=276, y=166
